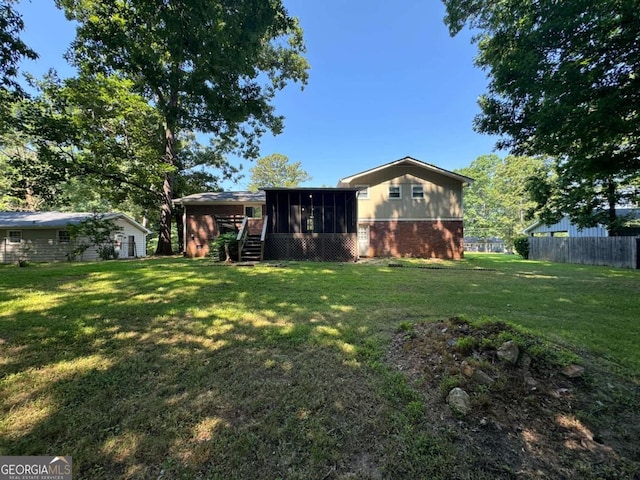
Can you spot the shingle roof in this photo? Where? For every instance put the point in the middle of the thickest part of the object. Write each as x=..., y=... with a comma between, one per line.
x=412, y=161
x=53, y=219
x=629, y=214
x=223, y=197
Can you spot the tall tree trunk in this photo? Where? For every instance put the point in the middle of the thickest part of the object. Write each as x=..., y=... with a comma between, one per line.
x=612, y=200
x=164, y=230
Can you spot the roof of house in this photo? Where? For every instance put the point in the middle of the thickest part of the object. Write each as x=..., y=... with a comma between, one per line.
x=56, y=219
x=629, y=213
x=222, y=197
x=312, y=189
x=409, y=161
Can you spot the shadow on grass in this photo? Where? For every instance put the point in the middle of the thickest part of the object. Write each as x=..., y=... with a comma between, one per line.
x=178, y=369
x=166, y=369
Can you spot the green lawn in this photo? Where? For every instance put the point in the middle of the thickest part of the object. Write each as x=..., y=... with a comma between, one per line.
x=177, y=368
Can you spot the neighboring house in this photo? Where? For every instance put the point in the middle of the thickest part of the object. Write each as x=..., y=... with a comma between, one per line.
x=409, y=208
x=44, y=236
x=486, y=245
x=564, y=228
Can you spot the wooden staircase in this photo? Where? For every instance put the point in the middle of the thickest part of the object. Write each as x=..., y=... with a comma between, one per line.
x=252, y=249
x=228, y=223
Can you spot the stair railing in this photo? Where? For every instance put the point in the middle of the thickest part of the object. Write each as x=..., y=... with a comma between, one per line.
x=242, y=236
x=263, y=235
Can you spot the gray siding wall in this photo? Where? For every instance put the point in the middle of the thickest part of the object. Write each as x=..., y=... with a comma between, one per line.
x=565, y=225
x=42, y=245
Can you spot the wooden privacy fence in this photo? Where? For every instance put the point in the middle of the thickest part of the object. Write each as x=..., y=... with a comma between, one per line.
x=621, y=252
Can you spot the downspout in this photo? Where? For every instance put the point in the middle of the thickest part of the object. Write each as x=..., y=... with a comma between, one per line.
x=184, y=229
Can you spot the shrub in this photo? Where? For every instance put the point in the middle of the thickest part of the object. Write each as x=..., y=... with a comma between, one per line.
x=219, y=245
x=98, y=231
x=107, y=252
x=521, y=244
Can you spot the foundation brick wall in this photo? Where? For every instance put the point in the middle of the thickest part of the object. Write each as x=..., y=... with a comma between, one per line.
x=424, y=239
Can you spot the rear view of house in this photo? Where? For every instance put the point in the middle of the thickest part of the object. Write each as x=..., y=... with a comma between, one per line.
x=409, y=208
x=403, y=208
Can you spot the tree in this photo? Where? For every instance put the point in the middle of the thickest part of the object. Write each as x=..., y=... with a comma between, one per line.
x=94, y=129
x=481, y=205
x=497, y=203
x=26, y=183
x=12, y=50
x=589, y=200
x=564, y=83
x=99, y=231
x=91, y=144
x=209, y=66
x=275, y=171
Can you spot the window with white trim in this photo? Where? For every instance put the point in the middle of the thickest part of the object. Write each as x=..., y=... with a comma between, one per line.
x=14, y=236
x=417, y=191
x=395, y=192
x=363, y=192
x=64, y=236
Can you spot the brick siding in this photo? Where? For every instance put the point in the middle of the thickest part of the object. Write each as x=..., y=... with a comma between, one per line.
x=424, y=239
x=202, y=228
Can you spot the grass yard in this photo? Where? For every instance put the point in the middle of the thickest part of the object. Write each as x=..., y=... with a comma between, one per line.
x=182, y=369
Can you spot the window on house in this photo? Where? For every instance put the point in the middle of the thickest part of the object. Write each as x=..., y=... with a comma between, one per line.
x=417, y=191
x=395, y=192
x=64, y=236
x=363, y=192
x=15, y=236
x=253, y=212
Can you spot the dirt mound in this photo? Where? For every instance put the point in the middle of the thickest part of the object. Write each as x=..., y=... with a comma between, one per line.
x=528, y=419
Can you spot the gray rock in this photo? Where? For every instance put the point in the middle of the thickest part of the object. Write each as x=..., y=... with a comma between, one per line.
x=525, y=361
x=509, y=352
x=573, y=371
x=459, y=401
x=482, y=377
x=530, y=382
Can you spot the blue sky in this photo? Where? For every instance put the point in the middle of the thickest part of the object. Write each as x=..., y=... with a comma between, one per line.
x=386, y=81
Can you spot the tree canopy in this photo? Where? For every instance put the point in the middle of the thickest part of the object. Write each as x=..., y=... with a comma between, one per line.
x=563, y=82
x=91, y=143
x=497, y=203
x=209, y=66
x=275, y=171
x=12, y=50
